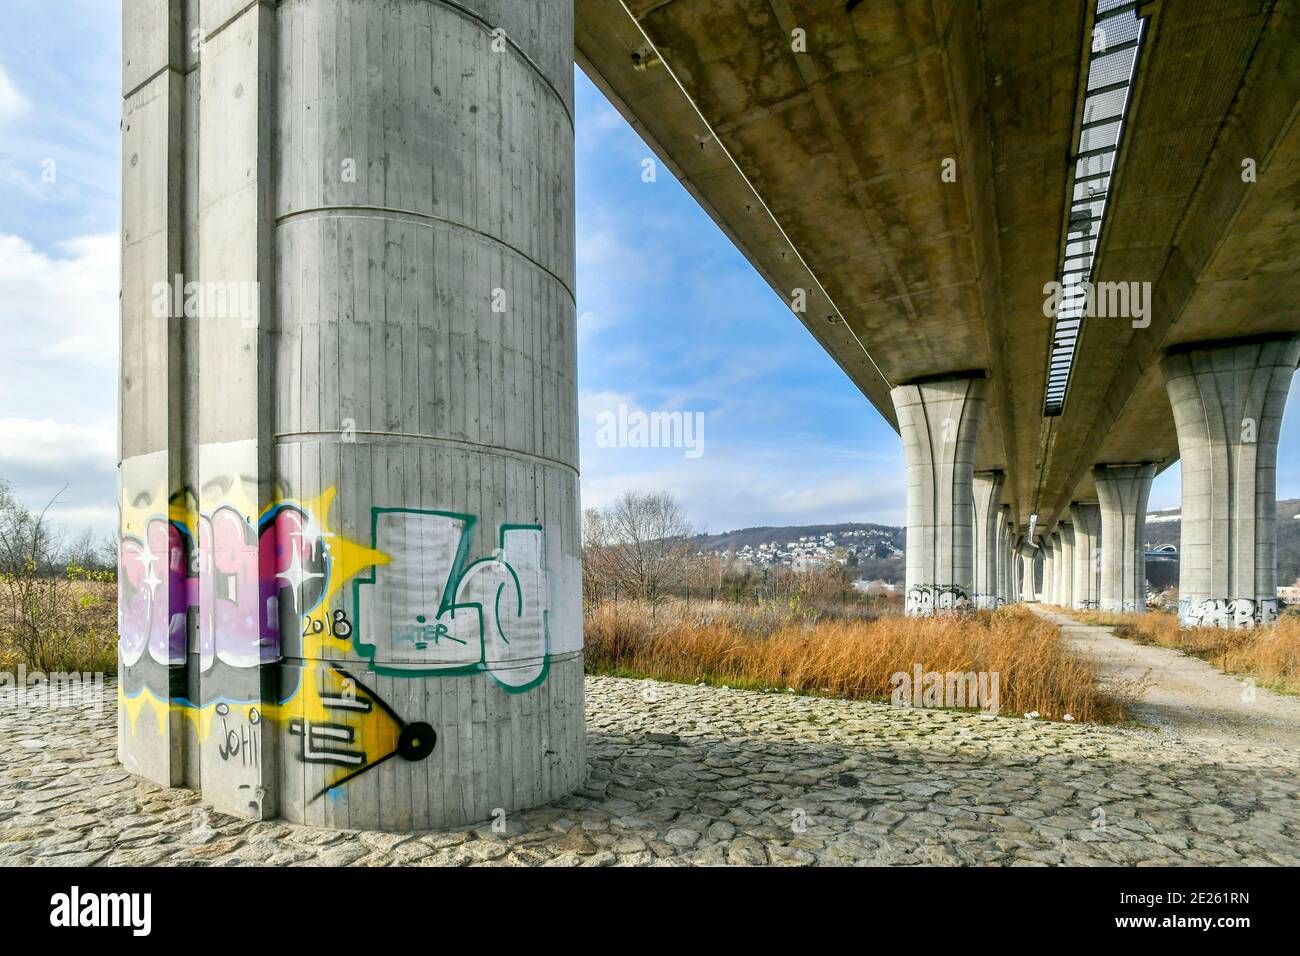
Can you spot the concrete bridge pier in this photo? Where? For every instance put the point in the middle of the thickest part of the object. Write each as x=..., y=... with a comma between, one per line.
x=1123, y=491
x=1026, y=557
x=939, y=422
x=1228, y=400
x=1085, y=517
x=1049, y=569
x=987, y=494
x=350, y=566
x=1005, y=576
x=1065, y=564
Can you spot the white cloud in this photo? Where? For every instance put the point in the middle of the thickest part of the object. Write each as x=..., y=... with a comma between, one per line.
x=65, y=307
x=73, y=464
x=58, y=375
x=735, y=487
x=12, y=102
x=55, y=446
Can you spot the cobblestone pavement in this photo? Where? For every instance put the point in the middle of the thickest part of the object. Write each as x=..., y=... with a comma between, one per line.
x=710, y=776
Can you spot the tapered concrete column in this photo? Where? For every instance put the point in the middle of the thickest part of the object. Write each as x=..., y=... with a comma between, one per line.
x=1228, y=401
x=1028, y=556
x=1065, y=564
x=1123, y=491
x=1060, y=568
x=987, y=494
x=1004, y=572
x=939, y=423
x=1086, y=518
x=350, y=562
x=1049, y=570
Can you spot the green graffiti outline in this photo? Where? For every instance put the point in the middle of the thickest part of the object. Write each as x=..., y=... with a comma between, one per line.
x=459, y=569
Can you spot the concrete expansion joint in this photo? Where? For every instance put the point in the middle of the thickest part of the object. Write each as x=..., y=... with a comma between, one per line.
x=338, y=437
x=169, y=68
x=221, y=27
x=488, y=27
x=423, y=218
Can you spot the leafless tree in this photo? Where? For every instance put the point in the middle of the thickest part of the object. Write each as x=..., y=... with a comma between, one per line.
x=640, y=545
x=34, y=605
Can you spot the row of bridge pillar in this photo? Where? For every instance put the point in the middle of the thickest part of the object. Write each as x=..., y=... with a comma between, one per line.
x=966, y=550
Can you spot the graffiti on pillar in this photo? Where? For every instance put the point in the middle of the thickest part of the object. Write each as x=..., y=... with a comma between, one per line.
x=1227, y=612
x=238, y=740
x=926, y=599
x=229, y=587
x=426, y=611
x=353, y=728
x=235, y=588
x=247, y=582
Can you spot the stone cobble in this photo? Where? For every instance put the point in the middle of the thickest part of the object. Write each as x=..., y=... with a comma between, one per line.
x=683, y=775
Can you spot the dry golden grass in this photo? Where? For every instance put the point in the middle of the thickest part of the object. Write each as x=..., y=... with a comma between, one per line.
x=74, y=629
x=1271, y=655
x=768, y=649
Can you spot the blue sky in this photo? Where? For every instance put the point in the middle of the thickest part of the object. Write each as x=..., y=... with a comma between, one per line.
x=670, y=316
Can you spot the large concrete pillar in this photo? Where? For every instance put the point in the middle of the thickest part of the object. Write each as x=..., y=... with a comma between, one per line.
x=987, y=494
x=1123, y=491
x=1005, y=576
x=1058, y=565
x=939, y=423
x=1085, y=516
x=1028, y=556
x=350, y=586
x=1065, y=564
x=1048, y=551
x=1228, y=400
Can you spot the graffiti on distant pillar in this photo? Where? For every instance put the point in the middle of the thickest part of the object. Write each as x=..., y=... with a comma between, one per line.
x=426, y=611
x=988, y=602
x=926, y=599
x=1227, y=612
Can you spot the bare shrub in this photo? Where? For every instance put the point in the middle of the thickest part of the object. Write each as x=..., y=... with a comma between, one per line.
x=48, y=621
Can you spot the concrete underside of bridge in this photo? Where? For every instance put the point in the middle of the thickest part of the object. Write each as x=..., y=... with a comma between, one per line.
x=817, y=136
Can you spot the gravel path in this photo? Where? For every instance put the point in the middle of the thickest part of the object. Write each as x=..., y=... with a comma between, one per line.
x=694, y=775
x=1187, y=696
